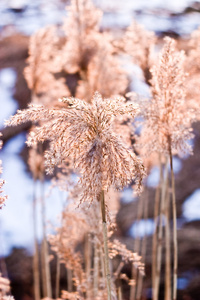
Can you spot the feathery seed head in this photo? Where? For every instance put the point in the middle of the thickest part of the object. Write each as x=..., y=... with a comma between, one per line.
x=167, y=118
x=84, y=132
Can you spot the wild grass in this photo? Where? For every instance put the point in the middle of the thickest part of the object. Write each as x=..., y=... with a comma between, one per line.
x=87, y=132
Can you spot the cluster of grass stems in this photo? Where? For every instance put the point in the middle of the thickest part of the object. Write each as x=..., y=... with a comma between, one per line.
x=83, y=138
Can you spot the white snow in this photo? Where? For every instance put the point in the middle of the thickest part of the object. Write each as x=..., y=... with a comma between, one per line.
x=16, y=215
x=40, y=13
x=127, y=195
x=8, y=105
x=142, y=228
x=153, y=178
x=175, y=6
x=191, y=206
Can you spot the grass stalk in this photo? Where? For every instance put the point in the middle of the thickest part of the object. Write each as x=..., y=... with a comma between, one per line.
x=136, y=249
x=69, y=281
x=102, y=267
x=155, y=242
x=58, y=258
x=174, y=213
x=118, y=280
x=44, y=287
x=168, y=251
x=96, y=270
x=119, y=293
x=45, y=261
x=88, y=255
x=143, y=249
x=160, y=231
x=36, y=272
x=57, y=276
x=105, y=237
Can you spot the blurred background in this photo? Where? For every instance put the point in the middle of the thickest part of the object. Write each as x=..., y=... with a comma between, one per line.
x=18, y=20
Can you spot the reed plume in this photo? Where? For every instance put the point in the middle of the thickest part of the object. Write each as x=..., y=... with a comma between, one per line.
x=167, y=118
x=75, y=59
x=192, y=67
x=167, y=126
x=43, y=66
x=138, y=43
x=84, y=133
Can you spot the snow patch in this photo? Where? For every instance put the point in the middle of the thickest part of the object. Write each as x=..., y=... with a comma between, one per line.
x=8, y=105
x=16, y=216
x=142, y=228
x=191, y=206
